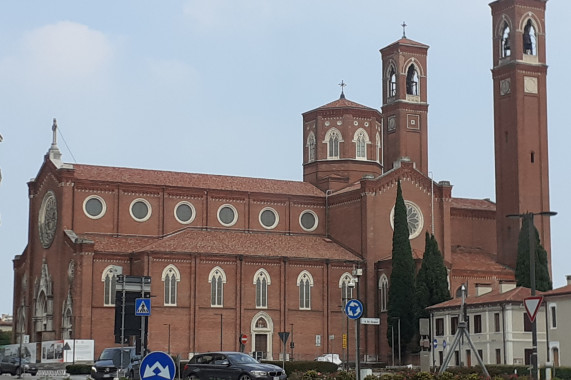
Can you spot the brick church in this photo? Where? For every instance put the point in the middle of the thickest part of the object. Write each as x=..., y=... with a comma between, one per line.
x=232, y=256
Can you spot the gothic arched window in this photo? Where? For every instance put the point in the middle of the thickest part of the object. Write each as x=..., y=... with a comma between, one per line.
x=529, y=39
x=346, y=284
x=305, y=282
x=109, y=279
x=361, y=139
x=412, y=82
x=378, y=147
x=506, y=49
x=392, y=87
x=217, y=279
x=384, y=291
x=170, y=278
x=261, y=280
x=332, y=139
x=311, y=147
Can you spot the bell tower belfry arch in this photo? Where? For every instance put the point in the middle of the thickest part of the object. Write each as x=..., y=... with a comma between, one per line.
x=405, y=107
x=520, y=121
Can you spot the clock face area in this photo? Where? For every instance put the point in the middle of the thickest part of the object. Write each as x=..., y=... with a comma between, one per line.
x=414, y=218
x=47, y=219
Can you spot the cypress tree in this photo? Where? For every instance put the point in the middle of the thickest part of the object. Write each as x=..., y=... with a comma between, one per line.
x=522, y=271
x=432, y=278
x=401, y=302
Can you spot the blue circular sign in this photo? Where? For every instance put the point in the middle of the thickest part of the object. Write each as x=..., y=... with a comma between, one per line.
x=157, y=366
x=444, y=344
x=435, y=343
x=354, y=309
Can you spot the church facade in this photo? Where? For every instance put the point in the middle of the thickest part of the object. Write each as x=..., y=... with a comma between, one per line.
x=232, y=256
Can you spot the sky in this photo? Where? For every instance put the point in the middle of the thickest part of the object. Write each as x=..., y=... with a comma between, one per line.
x=219, y=86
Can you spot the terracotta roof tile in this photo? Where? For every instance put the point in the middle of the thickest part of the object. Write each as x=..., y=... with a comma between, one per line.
x=202, y=181
x=477, y=263
x=228, y=243
x=559, y=291
x=516, y=295
x=473, y=204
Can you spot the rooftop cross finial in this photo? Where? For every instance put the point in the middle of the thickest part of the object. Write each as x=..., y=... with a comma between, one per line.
x=342, y=85
x=404, y=25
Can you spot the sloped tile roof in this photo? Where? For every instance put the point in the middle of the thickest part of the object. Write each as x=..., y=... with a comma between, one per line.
x=473, y=204
x=227, y=243
x=516, y=295
x=194, y=180
x=345, y=103
x=476, y=263
x=559, y=291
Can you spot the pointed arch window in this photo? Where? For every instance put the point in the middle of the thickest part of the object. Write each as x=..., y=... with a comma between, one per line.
x=529, y=39
x=262, y=280
x=378, y=147
x=361, y=144
x=346, y=284
x=311, y=147
x=412, y=82
x=170, y=278
x=384, y=291
x=506, y=49
x=305, y=283
x=333, y=144
x=217, y=279
x=392, y=83
x=109, y=279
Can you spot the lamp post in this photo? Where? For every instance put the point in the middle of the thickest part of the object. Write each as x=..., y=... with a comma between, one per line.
x=220, y=314
x=169, y=341
x=528, y=217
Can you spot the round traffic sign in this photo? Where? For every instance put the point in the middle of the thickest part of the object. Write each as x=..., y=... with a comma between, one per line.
x=244, y=339
x=354, y=309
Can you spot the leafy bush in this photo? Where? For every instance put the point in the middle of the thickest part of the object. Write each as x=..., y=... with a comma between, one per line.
x=78, y=369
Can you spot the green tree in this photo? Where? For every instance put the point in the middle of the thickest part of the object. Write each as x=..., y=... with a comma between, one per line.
x=432, y=278
x=401, y=302
x=522, y=270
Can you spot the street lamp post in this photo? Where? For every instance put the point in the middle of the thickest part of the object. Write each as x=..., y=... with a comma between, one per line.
x=528, y=217
x=169, y=340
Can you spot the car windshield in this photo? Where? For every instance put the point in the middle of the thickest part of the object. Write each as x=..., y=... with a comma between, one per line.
x=115, y=356
x=242, y=359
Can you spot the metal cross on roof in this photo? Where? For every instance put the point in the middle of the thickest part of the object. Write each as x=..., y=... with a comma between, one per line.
x=342, y=85
x=404, y=25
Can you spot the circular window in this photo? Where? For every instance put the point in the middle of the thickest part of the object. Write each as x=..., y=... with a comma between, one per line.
x=227, y=215
x=184, y=212
x=308, y=220
x=414, y=218
x=140, y=210
x=269, y=218
x=47, y=219
x=94, y=207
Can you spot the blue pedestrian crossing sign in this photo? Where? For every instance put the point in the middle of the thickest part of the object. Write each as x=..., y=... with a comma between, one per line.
x=142, y=307
x=354, y=309
x=157, y=366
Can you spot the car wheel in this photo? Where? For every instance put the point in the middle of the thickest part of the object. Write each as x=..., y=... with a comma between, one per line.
x=244, y=376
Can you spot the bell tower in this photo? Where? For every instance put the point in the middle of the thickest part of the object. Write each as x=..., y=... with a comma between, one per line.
x=520, y=121
x=405, y=107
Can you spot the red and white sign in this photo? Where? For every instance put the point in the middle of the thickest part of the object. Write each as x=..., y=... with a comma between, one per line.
x=244, y=339
x=532, y=305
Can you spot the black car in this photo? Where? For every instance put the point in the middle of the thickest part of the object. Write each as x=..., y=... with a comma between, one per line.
x=114, y=360
x=230, y=366
x=13, y=366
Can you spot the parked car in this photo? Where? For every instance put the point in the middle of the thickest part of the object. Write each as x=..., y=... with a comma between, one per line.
x=333, y=358
x=11, y=365
x=115, y=359
x=230, y=366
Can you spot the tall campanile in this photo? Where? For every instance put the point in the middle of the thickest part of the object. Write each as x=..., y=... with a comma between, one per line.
x=520, y=121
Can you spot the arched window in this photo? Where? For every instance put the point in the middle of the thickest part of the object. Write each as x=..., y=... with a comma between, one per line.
x=378, y=147
x=311, y=147
x=346, y=284
x=412, y=82
x=361, y=139
x=333, y=144
x=262, y=280
x=529, y=39
x=384, y=291
x=506, y=49
x=170, y=278
x=109, y=279
x=217, y=279
x=305, y=282
x=392, y=85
